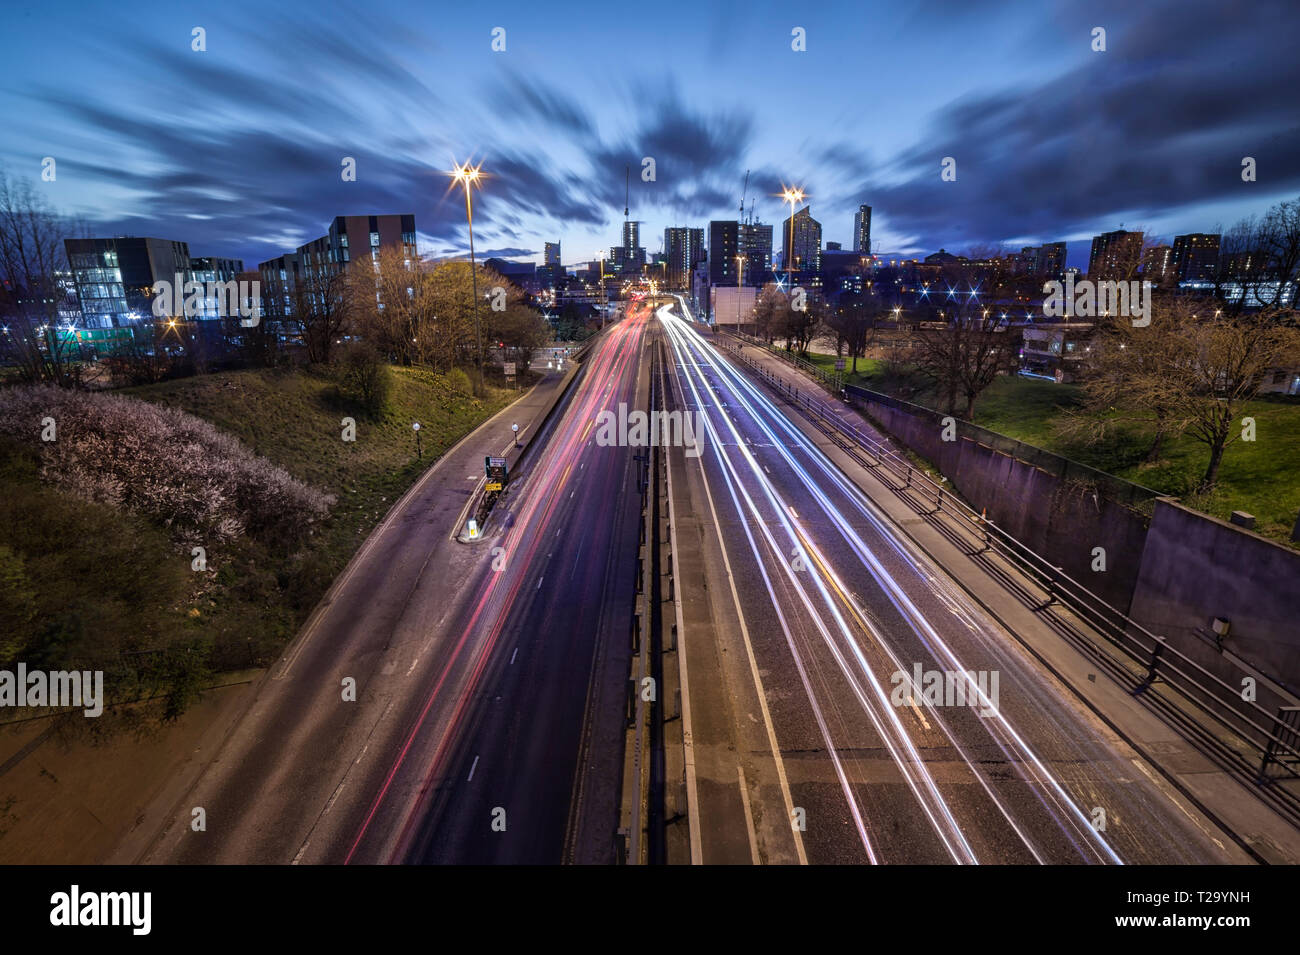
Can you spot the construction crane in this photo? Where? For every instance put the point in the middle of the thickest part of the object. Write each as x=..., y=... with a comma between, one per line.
x=744, y=192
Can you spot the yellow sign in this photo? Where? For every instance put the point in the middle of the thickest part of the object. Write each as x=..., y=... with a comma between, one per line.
x=493, y=486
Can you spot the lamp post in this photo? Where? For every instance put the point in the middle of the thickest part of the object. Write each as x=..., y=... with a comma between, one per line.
x=740, y=273
x=792, y=196
x=419, y=452
x=468, y=176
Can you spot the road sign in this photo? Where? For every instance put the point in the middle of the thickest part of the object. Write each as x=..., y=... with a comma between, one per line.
x=495, y=471
x=509, y=368
x=492, y=486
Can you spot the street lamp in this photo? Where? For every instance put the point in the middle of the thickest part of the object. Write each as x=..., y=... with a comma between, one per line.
x=468, y=176
x=419, y=452
x=740, y=273
x=792, y=196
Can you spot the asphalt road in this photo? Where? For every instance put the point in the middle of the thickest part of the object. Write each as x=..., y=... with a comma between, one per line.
x=812, y=616
x=533, y=776
x=464, y=657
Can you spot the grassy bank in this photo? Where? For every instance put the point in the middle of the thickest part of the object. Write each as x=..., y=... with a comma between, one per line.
x=89, y=584
x=1260, y=477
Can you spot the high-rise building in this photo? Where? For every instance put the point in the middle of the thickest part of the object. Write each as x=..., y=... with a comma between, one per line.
x=755, y=240
x=1195, y=256
x=630, y=256
x=1049, y=260
x=350, y=239
x=862, y=230
x=1115, y=255
x=807, y=242
x=280, y=279
x=724, y=246
x=115, y=278
x=683, y=249
x=207, y=269
x=1157, y=263
x=551, y=256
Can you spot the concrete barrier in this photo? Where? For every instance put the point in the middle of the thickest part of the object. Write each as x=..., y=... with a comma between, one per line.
x=1171, y=569
x=1196, y=569
x=1058, y=508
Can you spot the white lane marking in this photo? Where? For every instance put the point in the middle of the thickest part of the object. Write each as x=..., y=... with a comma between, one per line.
x=772, y=743
x=472, y=767
x=539, y=581
x=513, y=655
x=749, y=816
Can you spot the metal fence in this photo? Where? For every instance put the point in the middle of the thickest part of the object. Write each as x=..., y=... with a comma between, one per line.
x=1274, y=737
x=832, y=380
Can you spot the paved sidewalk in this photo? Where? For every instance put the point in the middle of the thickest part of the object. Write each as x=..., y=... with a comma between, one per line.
x=1188, y=776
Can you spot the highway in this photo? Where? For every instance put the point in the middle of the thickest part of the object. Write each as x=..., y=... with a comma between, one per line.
x=542, y=733
x=488, y=722
x=811, y=609
x=489, y=677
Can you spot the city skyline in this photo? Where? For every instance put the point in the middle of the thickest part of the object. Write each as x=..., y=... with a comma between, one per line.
x=254, y=167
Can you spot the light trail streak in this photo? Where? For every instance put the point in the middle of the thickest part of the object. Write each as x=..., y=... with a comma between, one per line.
x=688, y=345
x=539, y=497
x=883, y=716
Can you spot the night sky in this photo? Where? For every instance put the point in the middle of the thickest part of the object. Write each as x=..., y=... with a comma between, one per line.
x=237, y=150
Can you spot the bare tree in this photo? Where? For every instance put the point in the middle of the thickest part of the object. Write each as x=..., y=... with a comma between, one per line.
x=1257, y=258
x=1126, y=384
x=771, y=312
x=964, y=353
x=397, y=318
x=1192, y=370
x=511, y=321
x=322, y=304
x=32, y=255
x=854, y=320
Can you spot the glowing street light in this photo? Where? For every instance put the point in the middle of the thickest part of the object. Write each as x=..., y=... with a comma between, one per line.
x=792, y=195
x=467, y=176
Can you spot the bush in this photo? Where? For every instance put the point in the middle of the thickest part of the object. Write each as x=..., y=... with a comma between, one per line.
x=459, y=382
x=365, y=377
x=169, y=466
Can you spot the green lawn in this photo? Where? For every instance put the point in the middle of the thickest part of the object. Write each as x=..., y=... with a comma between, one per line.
x=1260, y=477
x=868, y=368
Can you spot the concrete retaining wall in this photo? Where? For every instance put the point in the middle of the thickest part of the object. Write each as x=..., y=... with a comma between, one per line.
x=1173, y=572
x=1195, y=568
x=1053, y=506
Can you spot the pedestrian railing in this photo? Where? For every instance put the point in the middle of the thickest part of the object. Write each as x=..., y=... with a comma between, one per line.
x=833, y=380
x=1275, y=737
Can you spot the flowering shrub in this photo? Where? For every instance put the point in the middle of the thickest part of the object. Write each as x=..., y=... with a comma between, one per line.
x=199, y=482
